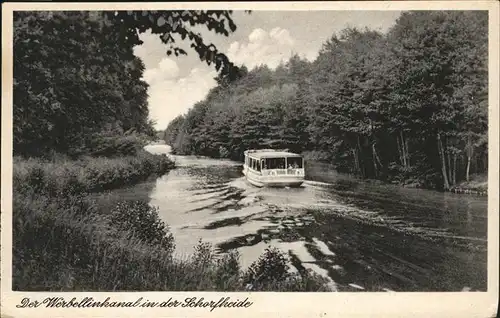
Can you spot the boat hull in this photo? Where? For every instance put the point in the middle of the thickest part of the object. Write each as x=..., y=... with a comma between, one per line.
x=275, y=182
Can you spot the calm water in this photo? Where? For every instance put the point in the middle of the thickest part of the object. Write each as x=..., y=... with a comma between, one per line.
x=361, y=236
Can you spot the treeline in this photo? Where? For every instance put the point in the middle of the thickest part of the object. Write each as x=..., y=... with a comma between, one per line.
x=408, y=106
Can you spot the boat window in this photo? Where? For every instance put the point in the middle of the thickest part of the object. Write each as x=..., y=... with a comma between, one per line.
x=294, y=162
x=258, y=165
x=275, y=163
x=263, y=164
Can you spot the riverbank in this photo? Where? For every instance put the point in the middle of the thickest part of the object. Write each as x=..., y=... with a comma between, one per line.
x=65, y=241
x=324, y=172
x=478, y=184
x=61, y=176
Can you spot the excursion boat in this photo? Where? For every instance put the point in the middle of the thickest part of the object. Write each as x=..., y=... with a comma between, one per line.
x=273, y=168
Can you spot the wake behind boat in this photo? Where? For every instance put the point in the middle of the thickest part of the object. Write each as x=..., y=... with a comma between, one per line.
x=273, y=168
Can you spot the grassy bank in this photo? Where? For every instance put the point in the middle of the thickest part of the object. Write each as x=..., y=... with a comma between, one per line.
x=62, y=176
x=64, y=241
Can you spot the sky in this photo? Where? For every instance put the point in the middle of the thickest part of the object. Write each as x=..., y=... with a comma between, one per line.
x=262, y=37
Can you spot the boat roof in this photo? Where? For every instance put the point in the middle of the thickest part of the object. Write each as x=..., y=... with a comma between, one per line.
x=270, y=153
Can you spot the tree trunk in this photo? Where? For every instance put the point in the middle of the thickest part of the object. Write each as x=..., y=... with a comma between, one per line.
x=374, y=161
x=356, y=161
x=404, y=146
x=448, y=158
x=360, y=158
x=446, y=184
x=400, y=152
x=407, y=152
x=454, y=168
x=405, y=162
x=376, y=155
x=468, y=169
x=469, y=152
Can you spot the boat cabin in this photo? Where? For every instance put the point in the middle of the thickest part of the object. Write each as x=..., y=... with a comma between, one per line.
x=273, y=167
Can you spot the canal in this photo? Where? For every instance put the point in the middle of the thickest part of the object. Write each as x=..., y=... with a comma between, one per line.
x=361, y=236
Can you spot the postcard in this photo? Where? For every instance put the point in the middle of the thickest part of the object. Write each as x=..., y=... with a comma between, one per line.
x=298, y=159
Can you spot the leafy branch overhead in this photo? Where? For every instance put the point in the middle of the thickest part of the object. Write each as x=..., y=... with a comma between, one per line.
x=167, y=24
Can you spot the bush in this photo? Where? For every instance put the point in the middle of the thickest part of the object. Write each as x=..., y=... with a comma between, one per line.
x=50, y=241
x=270, y=272
x=63, y=177
x=140, y=220
x=223, y=152
x=228, y=271
x=68, y=246
x=417, y=176
x=270, y=267
x=111, y=143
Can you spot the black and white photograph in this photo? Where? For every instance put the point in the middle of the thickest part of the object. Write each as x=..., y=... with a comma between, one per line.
x=250, y=150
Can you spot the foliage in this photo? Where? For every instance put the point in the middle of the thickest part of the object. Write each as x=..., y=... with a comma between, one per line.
x=75, y=74
x=72, y=79
x=63, y=246
x=272, y=272
x=174, y=25
x=114, y=143
x=64, y=240
x=408, y=106
x=271, y=266
x=142, y=222
x=63, y=177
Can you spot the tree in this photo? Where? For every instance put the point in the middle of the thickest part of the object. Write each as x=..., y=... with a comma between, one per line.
x=72, y=79
x=408, y=106
x=75, y=73
x=432, y=50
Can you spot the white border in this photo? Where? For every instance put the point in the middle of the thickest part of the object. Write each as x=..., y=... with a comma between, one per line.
x=448, y=304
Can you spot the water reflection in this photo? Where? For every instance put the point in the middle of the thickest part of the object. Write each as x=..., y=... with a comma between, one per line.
x=361, y=236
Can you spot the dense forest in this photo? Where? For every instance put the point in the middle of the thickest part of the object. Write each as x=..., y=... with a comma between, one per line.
x=86, y=87
x=406, y=106
x=78, y=86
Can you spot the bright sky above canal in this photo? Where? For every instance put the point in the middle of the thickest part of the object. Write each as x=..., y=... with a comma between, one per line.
x=262, y=37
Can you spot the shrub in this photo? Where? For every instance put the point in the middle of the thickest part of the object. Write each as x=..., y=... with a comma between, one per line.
x=140, y=220
x=67, y=245
x=223, y=152
x=111, y=143
x=67, y=177
x=269, y=267
x=50, y=241
x=270, y=272
x=228, y=271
